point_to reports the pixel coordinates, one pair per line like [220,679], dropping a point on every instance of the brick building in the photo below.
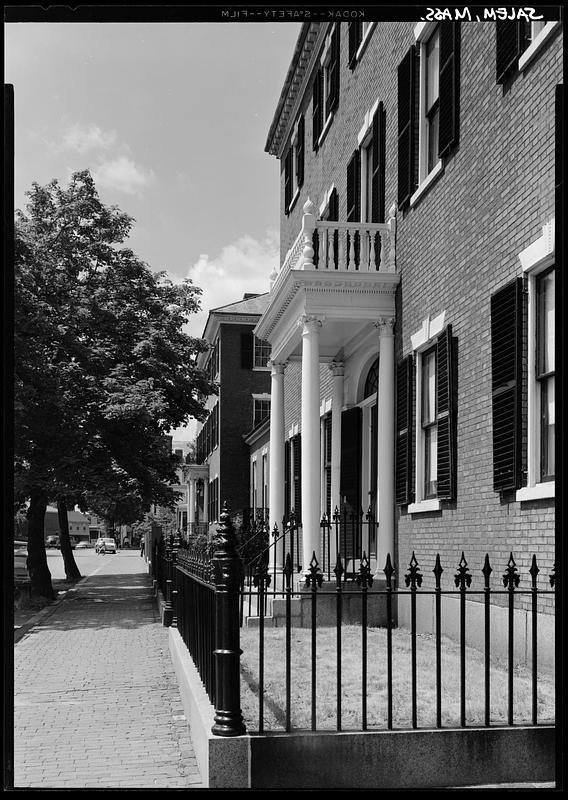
[411,321]
[237,361]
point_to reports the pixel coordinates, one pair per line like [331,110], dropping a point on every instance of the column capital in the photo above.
[385,326]
[337,368]
[277,367]
[311,322]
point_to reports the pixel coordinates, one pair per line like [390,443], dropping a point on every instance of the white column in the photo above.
[276,461]
[385,444]
[337,371]
[191,502]
[311,462]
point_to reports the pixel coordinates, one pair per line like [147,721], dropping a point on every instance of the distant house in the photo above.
[238,362]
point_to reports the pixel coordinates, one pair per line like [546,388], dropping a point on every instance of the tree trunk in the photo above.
[71,569]
[40,575]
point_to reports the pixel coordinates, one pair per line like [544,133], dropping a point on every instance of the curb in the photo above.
[46,611]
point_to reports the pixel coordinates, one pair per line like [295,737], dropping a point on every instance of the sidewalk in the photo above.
[96,701]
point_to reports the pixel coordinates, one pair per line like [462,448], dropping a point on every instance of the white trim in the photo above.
[295,198]
[326,127]
[423,506]
[430,178]
[540,254]
[364,42]
[368,123]
[261,396]
[423,30]
[430,329]
[540,491]
[537,45]
[327,197]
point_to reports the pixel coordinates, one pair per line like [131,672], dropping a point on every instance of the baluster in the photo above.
[342,237]
[364,250]
[351,265]
[381,251]
[322,248]
[372,256]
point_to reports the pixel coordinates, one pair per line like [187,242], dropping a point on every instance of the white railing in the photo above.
[343,246]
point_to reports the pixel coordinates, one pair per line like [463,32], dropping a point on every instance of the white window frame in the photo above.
[535,259]
[423,340]
[365,141]
[537,44]
[257,344]
[324,63]
[263,397]
[253,485]
[422,33]
[367,30]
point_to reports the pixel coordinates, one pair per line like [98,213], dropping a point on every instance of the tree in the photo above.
[103,367]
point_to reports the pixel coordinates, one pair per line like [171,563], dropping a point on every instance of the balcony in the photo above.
[343,272]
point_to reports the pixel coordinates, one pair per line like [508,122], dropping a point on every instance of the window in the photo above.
[262,352]
[538,265]
[517,43]
[264,482]
[428,78]
[213,499]
[370,185]
[359,34]
[213,362]
[436,417]
[261,410]
[325,95]
[254,498]
[545,371]
[326,494]
[294,167]
[247,349]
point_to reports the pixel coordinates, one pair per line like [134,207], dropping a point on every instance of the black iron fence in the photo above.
[220,604]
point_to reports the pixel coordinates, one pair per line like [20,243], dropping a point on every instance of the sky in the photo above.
[172,120]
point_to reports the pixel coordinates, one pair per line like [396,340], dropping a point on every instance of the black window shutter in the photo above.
[449,86]
[287,180]
[333,206]
[317,109]
[350,474]
[406,123]
[297,457]
[287,504]
[354,188]
[333,72]
[378,164]
[355,37]
[247,348]
[446,402]
[507,48]
[403,473]
[506,385]
[300,153]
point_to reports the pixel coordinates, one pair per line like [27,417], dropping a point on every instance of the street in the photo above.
[89,563]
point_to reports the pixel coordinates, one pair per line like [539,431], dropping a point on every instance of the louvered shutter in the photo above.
[247,348]
[378,166]
[506,385]
[288,180]
[287,504]
[403,470]
[355,36]
[406,123]
[333,215]
[333,95]
[350,473]
[327,436]
[354,188]
[449,86]
[300,153]
[446,403]
[317,108]
[507,48]
[297,465]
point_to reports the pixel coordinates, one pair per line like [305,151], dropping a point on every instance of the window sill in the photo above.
[326,127]
[541,491]
[261,369]
[364,42]
[531,52]
[426,183]
[423,506]
[293,201]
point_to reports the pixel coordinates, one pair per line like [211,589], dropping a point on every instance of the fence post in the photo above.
[168,608]
[227,567]
[174,591]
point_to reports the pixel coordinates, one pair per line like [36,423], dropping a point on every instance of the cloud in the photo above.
[83,138]
[242,266]
[122,174]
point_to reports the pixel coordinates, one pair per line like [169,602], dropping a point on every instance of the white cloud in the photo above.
[83,138]
[242,266]
[122,174]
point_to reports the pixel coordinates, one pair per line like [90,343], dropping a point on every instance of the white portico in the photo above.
[321,311]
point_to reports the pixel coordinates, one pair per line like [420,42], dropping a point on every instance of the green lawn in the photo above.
[351,696]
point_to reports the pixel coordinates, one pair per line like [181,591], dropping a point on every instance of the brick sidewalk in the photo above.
[96,701]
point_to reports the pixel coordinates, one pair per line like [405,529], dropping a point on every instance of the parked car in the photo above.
[52,541]
[82,545]
[105,545]
[20,561]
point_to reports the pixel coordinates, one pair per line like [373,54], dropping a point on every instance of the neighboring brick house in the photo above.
[237,361]
[412,318]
